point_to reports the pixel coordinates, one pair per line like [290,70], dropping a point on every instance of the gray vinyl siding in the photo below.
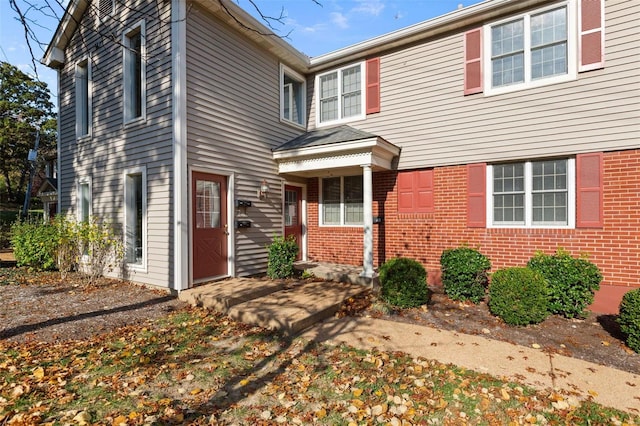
[233,121]
[423,109]
[113,146]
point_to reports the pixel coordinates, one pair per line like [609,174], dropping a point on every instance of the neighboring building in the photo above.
[512,126]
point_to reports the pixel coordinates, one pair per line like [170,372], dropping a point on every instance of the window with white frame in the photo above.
[135,216]
[531,49]
[84,200]
[134,70]
[532,193]
[83,98]
[342,200]
[293,89]
[340,95]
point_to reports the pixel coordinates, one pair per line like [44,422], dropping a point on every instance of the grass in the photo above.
[180,370]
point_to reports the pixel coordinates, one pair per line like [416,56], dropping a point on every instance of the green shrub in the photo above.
[282,254]
[572,282]
[518,296]
[629,318]
[464,273]
[97,244]
[404,283]
[35,244]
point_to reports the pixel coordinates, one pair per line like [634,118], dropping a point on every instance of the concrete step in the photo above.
[286,307]
[222,295]
[297,307]
[337,272]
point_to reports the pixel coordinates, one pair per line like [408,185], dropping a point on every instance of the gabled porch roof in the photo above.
[317,152]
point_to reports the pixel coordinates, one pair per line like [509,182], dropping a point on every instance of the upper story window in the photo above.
[532,193]
[134,70]
[340,95]
[532,49]
[342,201]
[293,99]
[83,98]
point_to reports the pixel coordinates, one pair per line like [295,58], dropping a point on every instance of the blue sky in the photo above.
[313,29]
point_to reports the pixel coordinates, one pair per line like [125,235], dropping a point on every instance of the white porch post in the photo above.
[367,201]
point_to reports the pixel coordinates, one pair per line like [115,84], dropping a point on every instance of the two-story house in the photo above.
[512,126]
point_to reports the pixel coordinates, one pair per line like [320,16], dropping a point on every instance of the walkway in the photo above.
[607,386]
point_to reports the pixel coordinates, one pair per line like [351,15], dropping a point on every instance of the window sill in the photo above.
[83,138]
[533,229]
[340,226]
[136,268]
[340,121]
[530,84]
[293,124]
[135,122]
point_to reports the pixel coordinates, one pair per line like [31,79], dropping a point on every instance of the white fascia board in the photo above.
[359,145]
[54,55]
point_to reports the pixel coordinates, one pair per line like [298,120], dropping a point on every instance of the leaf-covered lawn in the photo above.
[197,367]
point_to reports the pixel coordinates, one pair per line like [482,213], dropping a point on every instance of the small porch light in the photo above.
[264,189]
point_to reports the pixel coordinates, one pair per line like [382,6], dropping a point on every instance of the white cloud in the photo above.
[339,19]
[369,7]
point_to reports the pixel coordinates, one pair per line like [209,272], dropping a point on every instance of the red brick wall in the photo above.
[615,248]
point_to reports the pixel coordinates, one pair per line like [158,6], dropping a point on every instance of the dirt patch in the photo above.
[42,307]
[596,338]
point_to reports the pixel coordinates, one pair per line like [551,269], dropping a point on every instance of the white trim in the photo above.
[305,228]
[126,77]
[367,219]
[363,95]
[572,57]
[180,184]
[85,180]
[59,143]
[84,63]
[142,171]
[231,264]
[375,143]
[571,198]
[300,79]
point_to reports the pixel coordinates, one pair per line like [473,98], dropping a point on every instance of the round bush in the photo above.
[404,283]
[282,255]
[518,296]
[572,282]
[629,318]
[464,273]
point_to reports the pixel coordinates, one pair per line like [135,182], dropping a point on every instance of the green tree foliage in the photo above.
[403,283]
[25,107]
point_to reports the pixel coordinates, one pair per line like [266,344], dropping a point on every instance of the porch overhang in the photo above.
[341,150]
[319,152]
